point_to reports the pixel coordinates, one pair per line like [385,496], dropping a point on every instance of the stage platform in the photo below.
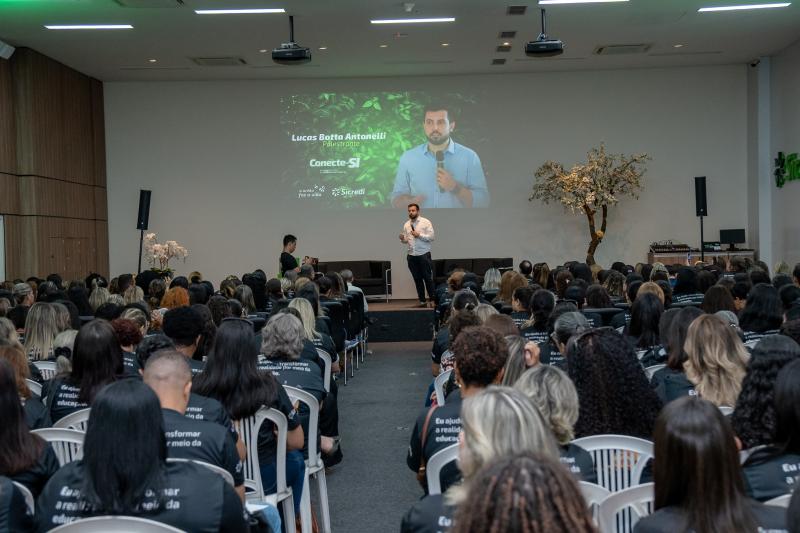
[400,320]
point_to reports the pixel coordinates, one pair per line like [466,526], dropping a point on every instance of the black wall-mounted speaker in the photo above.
[144,210]
[700,201]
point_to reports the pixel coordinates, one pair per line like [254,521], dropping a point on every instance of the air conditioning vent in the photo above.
[507,34]
[516,10]
[504,48]
[219,61]
[150,4]
[621,49]
[685,54]
[500,61]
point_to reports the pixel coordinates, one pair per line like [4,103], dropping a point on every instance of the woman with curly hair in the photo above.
[771,470]
[754,418]
[716,360]
[613,392]
[527,492]
[615,285]
[129,336]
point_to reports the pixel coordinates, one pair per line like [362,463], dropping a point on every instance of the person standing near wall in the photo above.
[418,235]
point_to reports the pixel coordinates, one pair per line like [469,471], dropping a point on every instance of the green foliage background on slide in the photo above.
[399,114]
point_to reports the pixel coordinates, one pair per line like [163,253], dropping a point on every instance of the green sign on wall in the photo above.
[787,168]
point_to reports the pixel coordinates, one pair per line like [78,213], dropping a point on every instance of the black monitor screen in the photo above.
[731,236]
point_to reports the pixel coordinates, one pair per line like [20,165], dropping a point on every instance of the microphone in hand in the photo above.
[440,165]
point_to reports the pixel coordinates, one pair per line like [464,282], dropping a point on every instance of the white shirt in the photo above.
[418,245]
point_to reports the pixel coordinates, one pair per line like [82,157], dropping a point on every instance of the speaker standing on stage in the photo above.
[418,235]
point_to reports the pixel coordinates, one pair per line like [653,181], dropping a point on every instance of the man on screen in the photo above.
[441,172]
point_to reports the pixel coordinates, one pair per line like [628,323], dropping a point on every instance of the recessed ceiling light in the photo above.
[323,47]
[677,46]
[412,21]
[553,2]
[263,50]
[383,46]
[445,44]
[506,43]
[89,27]
[152,60]
[742,7]
[237,11]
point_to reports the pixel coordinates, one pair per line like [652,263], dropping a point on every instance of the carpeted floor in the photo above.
[371,489]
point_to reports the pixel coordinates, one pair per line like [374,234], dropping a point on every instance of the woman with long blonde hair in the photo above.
[41,328]
[717,360]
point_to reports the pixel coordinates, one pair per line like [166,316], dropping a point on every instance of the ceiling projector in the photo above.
[291,53]
[543,46]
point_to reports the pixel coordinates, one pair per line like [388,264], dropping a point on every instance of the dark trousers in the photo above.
[421,268]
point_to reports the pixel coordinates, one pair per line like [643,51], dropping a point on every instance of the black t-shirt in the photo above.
[549,355]
[751,338]
[131,364]
[520,317]
[595,320]
[534,334]
[440,344]
[671,384]
[579,462]
[36,414]
[429,515]
[443,429]
[691,297]
[288,262]
[202,441]
[620,320]
[672,519]
[64,400]
[210,410]
[325,342]
[193,499]
[769,474]
[321,325]
[301,373]
[196,366]
[309,353]
[14,514]
[37,475]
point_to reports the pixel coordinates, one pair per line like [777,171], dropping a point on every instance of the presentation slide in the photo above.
[383,150]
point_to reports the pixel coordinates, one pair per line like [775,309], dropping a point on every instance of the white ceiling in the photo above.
[173,35]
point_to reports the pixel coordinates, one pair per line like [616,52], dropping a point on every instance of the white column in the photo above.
[765,156]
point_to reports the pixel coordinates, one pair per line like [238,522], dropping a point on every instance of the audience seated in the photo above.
[698,482]
[497,422]
[566,325]
[124,472]
[643,330]
[773,470]
[231,376]
[480,355]
[36,414]
[321,341]
[528,491]
[184,326]
[670,383]
[521,305]
[716,360]
[541,305]
[762,314]
[554,395]
[509,282]
[613,392]
[96,362]
[462,300]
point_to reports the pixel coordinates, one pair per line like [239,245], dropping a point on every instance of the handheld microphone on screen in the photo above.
[440,164]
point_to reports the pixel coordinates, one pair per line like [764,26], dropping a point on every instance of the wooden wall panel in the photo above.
[9,194]
[78,142]
[48,197]
[21,254]
[101,253]
[8,152]
[100,203]
[98,133]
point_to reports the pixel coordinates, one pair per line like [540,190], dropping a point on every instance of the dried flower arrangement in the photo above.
[160,254]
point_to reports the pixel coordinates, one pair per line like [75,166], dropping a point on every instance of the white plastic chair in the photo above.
[618,459]
[438,385]
[28,495]
[46,368]
[328,362]
[248,428]
[314,466]
[76,420]
[725,410]
[433,467]
[214,468]
[594,496]
[35,387]
[651,370]
[115,524]
[780,501]
[67,443]
[637,500]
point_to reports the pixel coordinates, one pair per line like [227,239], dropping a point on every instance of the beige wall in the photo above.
[204,148]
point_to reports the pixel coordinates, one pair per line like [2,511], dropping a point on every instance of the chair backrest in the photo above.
[618,459]
[76,420]
[358,308]
[248,428]
[28,495]
[725,410]
[326,359]
[35,387]
[435,464]
[780,501]
[336,313]
[46,368]
[438,385]
[214,468]
[594,496]
[115,524]
[651,370]
[637,501]
[299,395]
[67,443]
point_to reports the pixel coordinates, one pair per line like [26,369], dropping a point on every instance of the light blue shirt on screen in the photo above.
[416,175]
